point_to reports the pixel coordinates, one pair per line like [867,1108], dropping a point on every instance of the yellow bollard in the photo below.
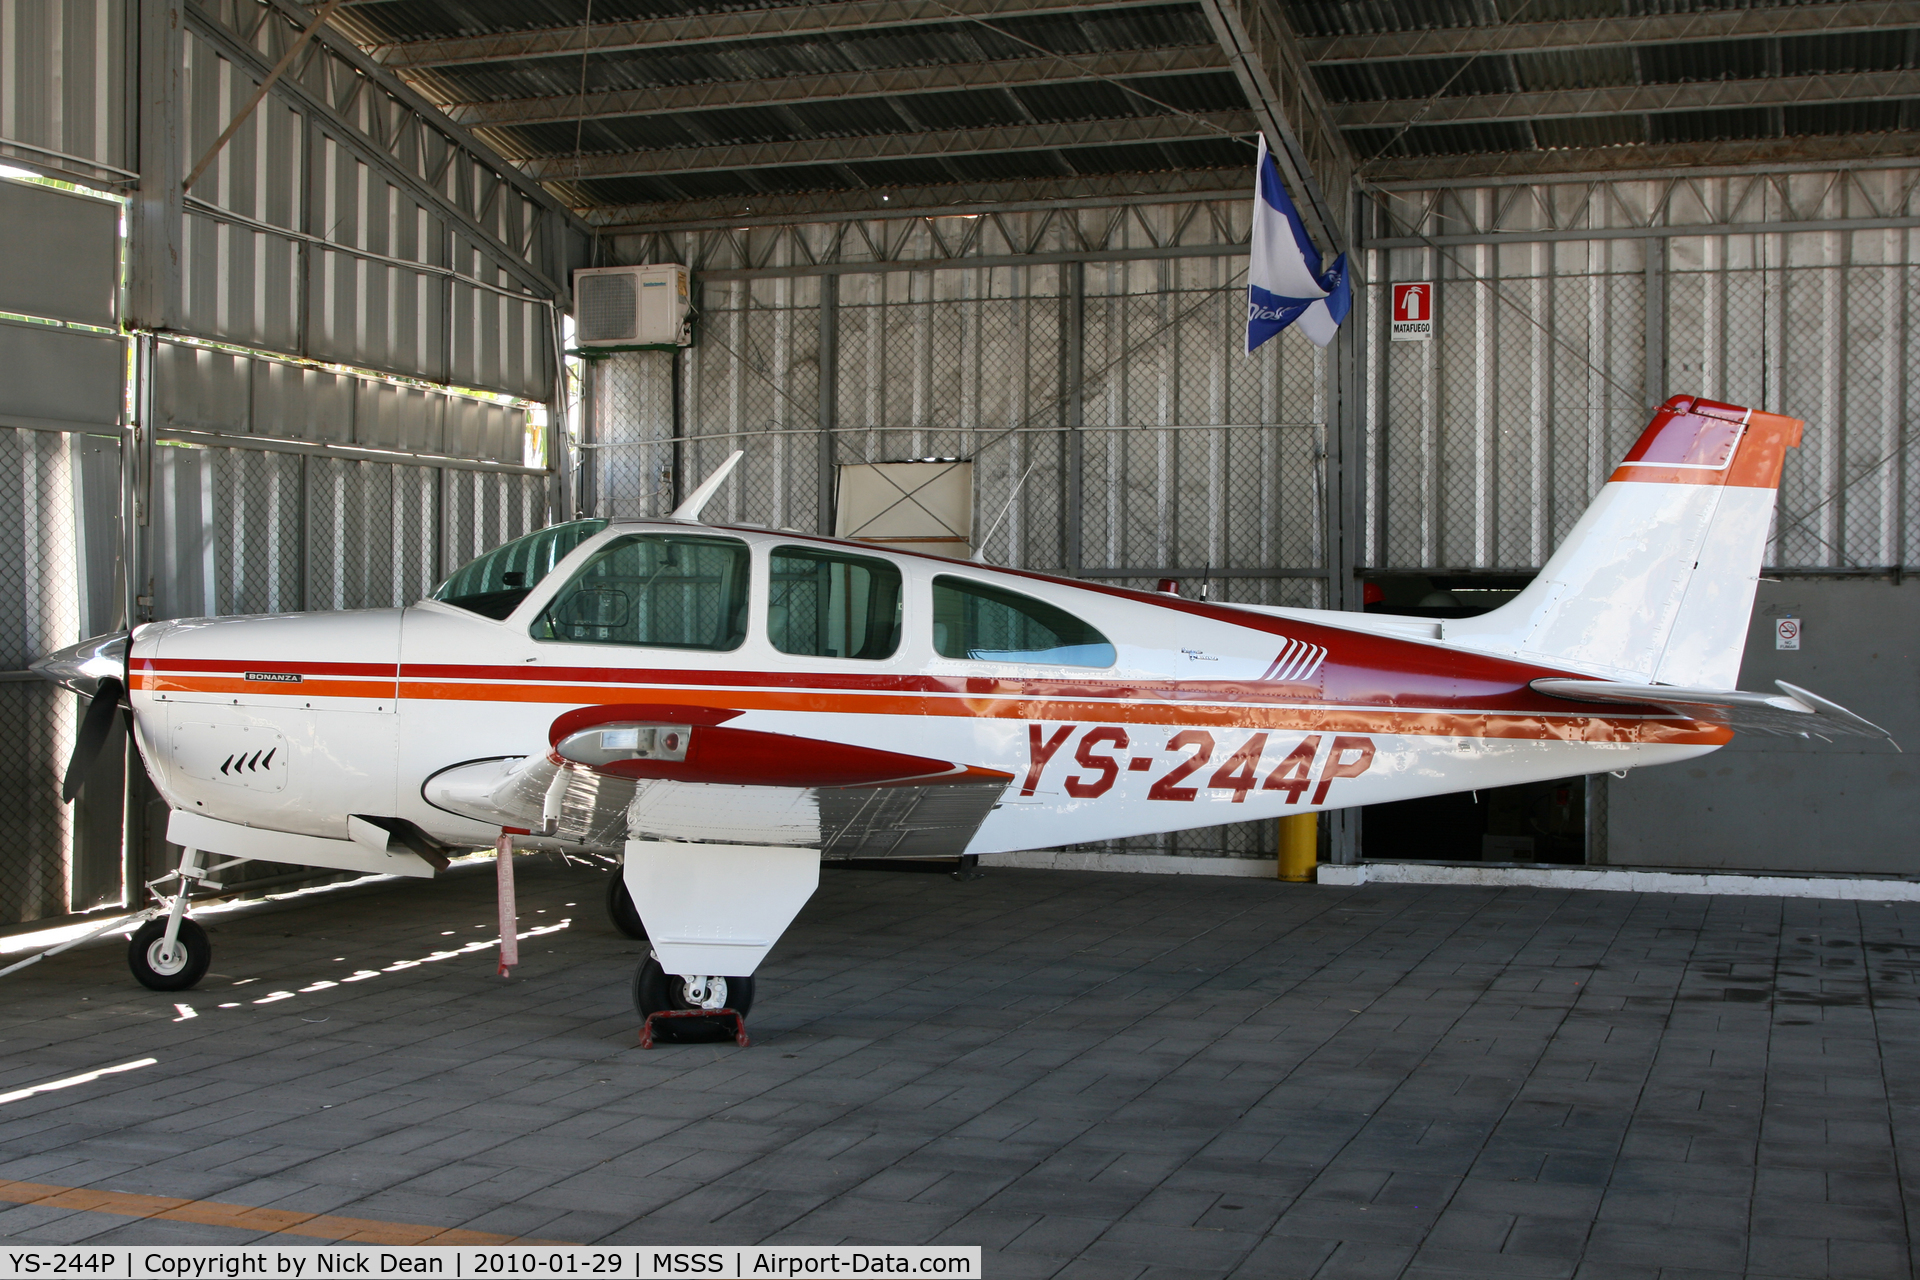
[1299,846]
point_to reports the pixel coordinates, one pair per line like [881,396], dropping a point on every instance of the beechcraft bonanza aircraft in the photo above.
[725,707]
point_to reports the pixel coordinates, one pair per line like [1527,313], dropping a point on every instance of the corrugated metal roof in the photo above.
[440,19]
[1345,17]
[1474,86]
[938,45]
[1831,54]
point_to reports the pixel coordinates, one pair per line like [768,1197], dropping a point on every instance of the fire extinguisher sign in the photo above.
[1413,311]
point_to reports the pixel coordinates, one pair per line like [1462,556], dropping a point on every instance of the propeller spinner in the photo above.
[95,669]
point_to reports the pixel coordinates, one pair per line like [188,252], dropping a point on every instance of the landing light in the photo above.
[606,744]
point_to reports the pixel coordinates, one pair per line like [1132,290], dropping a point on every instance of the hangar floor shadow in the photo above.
[1111,1076]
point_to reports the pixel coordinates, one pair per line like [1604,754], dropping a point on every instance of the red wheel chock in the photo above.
[739,1023]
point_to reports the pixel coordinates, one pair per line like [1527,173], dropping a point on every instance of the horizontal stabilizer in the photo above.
[1793,712]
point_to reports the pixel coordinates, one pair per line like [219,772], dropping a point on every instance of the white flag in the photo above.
[1284,279]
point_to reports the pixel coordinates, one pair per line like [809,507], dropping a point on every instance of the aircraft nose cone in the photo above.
[81,667]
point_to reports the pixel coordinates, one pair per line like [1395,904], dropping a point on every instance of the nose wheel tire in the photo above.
[657,991]
[162,970]
[620,909]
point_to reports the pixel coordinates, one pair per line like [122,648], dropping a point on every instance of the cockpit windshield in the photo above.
[495,584]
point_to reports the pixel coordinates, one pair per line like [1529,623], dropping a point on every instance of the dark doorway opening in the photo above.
[1532,822]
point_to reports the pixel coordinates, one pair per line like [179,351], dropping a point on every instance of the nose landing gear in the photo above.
[697,1009]
[163,967]
[172,953]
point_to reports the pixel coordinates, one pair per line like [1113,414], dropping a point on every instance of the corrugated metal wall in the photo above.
[344,224]
[64,88]
[1563,310]
[208,390]
[296,244]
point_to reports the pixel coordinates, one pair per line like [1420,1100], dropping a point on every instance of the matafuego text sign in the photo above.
[1412,318]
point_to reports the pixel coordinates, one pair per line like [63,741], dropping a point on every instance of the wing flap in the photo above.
[1793,712]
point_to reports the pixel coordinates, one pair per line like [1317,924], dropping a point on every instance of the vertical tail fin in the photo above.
[1655,582]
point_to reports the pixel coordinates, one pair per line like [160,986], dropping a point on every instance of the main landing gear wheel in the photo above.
[161,970]
[620,909]
[657,991]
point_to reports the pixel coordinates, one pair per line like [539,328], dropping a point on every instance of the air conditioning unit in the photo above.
[632,306]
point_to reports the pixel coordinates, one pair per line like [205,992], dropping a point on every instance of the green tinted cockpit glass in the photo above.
[826,604]
[667,590]
[496,583]
[974,620]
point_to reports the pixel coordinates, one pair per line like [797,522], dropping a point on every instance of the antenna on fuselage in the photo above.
[690,509]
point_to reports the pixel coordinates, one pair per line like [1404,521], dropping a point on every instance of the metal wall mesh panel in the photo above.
[632,447]
[349,545]
[754,384]
[241,530]
[1488,442]
[487,508]
[256,526]
[37,827]
[39,611]
[964,364]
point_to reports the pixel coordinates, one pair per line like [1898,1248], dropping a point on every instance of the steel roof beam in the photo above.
[1651,161]
[1706,95]
[1610,33]
[668,161]
[790,90]
[960,199]
[828,17]
[1286,100]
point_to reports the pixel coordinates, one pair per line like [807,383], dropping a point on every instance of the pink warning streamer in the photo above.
[509,915]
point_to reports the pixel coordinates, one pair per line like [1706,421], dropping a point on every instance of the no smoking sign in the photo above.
[1786,633]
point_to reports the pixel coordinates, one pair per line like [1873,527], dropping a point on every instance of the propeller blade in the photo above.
[92,737]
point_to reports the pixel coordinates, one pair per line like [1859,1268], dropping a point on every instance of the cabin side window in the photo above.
[973,620]
[494,585]
[825,604]
[667,591]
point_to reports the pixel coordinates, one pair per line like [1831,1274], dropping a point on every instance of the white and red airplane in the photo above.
[725,707]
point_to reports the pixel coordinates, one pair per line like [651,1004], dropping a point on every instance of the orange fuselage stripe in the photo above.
[312,687]
[1572,727]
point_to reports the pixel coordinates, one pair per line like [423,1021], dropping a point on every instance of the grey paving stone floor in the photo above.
[1091,1076]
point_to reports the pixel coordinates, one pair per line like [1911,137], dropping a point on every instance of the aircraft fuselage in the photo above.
[1207,713]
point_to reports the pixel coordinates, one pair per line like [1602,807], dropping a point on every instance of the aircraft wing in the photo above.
[681,774]
[1793,712]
